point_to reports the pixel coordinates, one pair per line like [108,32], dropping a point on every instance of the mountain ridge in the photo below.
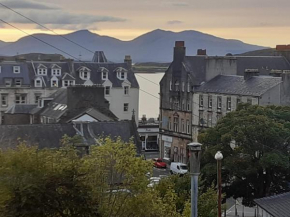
[156,46]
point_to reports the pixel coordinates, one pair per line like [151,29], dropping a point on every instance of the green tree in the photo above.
[258,165]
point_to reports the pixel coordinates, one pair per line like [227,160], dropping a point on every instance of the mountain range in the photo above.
[155,46]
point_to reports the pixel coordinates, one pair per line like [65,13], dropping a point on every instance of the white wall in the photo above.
[117,100]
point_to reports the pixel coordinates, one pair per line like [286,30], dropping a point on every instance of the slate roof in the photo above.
[196,65]
[7,72]
[99,57]
[21,109]
[277,206]
[236,85]
[96,75]
[264,64]
[96,114]
[49,135]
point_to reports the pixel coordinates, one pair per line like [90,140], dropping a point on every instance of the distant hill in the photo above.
[2,43]
[155,46]
[263,52]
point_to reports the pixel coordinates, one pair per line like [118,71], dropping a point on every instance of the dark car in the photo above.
[158,163]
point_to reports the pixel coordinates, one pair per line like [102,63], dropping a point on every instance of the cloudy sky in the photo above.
[261,22]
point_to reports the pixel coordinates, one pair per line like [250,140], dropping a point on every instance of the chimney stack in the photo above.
[128,60]
[249,73]
[179,51]
[201,52]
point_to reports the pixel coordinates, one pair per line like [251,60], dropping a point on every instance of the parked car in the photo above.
[178,168]
[159,163]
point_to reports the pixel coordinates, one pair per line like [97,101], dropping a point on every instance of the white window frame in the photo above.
[37,97]
[229,103]
[52,82]
[126,107]
[18,82]
[68,83]
[188,87]
[170,85]
[4,98]
[16,69]
[219,102]
[169,123]
[104,75]
[42,71]
[126,90]
[9,82]
[109,89]
[176,85]
[183,86]
[187,127]
[176,124]
[20,98]
[40,82]
[200,100]
[56,72]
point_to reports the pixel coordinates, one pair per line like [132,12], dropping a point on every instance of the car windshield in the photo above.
[183,167]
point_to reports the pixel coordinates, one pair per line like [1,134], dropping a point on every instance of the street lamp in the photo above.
[195,153]
[219,156]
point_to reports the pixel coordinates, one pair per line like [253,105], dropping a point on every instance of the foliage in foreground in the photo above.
[60,183]
[259,164]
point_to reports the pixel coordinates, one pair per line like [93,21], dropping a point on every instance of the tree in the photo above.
[258,165]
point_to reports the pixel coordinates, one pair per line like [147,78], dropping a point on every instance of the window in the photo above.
[249,100]
[67,83]
[169,123]
[54,83]
[187,127]
[175,124]
[4,100]
[126,107]
[188,105]
[219,102]
[188,87]
[56,72]
[176,85]
[200,100]
[37,82]
[209,119]
[170,85]
[107,90]
[16,69]
[37,98]
[176,104]
[8,82]
[20,99]
[18,82]
[42,71]
[183,104]
[209,101]
[238,100]
[85,75]
[182,126]
[229,103]
[126,90]
[170,103]
[183,86]
[104,75]
[122,75]
[201,119]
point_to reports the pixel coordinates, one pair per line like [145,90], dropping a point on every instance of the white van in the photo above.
[178,168]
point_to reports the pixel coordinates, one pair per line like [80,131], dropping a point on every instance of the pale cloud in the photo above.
[26,4]
[174,22]
[180,4]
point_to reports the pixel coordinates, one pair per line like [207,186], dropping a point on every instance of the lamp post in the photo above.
[195,152]
[219,156]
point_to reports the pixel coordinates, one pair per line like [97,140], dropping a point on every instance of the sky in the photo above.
[260,22]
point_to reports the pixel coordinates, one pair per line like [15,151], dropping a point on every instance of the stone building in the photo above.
[222,94]
[25,82]
[184,75]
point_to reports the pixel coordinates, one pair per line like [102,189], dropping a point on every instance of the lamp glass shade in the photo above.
[218,156]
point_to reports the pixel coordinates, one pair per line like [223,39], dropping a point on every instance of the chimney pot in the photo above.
[250,73]
[179,44]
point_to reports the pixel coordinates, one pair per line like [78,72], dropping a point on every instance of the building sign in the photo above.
[166,138]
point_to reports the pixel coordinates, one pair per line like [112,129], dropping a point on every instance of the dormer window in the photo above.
[56,72]
[68,83]
[42,71]
[84,73]
[38,82]
[18,82]
[121,73]
[16,69]
[104,75]
[8,82]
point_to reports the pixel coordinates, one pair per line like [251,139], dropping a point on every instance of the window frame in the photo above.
[187,127]
[209,101]
[16,69]
[37,97]
[9,82]
[22,98]
[4,98]
[176,124]
[219,102]
[40,82]
[126,107]
[126,90]
[19,81]
[169,124]
[229,103]
[201,100]
[107,90]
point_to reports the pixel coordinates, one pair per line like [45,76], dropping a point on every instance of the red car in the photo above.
[158,163]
